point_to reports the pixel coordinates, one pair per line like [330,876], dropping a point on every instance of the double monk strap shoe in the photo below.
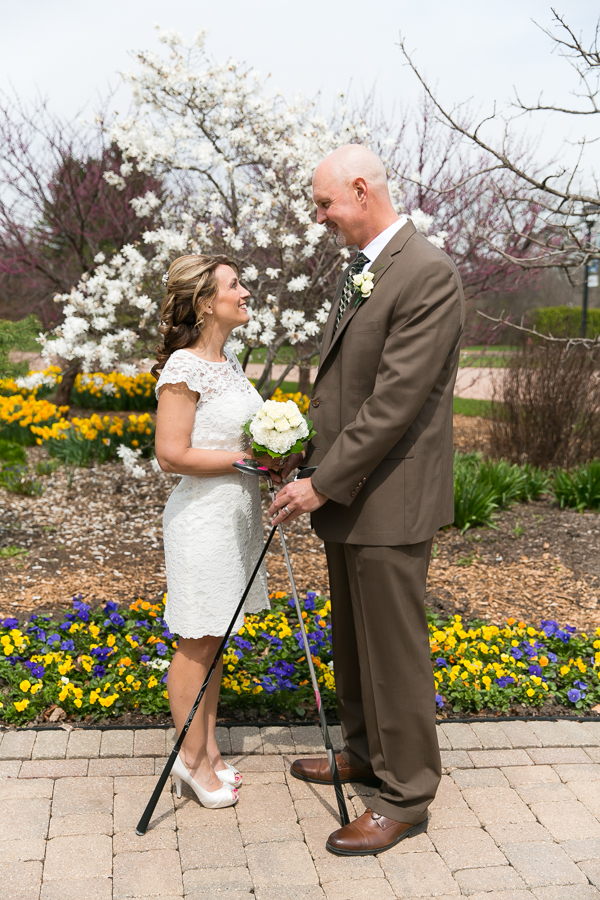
[317,771]
[371,833]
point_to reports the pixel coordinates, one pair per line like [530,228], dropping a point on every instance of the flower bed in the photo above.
[98,390]
[105,662]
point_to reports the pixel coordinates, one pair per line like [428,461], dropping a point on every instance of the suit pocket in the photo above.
[361,327]
[402,450]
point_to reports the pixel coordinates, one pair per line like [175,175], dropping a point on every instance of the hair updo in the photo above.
[191,287]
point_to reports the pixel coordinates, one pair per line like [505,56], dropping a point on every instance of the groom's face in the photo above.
[338,205]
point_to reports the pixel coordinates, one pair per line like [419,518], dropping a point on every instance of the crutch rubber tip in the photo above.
[140,833]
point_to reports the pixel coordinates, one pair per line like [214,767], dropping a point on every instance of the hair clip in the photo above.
[165,278]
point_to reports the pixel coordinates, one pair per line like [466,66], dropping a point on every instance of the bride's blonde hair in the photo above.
[191,288]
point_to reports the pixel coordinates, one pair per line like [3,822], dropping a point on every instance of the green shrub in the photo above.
[506,481]
[535,482]
[11,452]
[579,488]
[565,321]
[474,502]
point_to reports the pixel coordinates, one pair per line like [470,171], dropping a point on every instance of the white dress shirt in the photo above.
[373,249]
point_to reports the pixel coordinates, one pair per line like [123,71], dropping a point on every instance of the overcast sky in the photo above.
[72,51]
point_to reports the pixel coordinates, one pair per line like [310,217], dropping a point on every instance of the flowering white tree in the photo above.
[236,165]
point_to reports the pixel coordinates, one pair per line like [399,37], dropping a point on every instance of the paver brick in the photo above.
[96,823]
[456,759]
[520,735]
[581,850]
[316,831]
[259,763]
[567,819]
[308,739]
[84,743]
[281,864]
[22,882]
[584,772]
[365,889]
[289,892]
[215,881]
[452,818]
[155,873]
[468,778]
[530,775]
[259,831]
[448,795]
[593,753]
[246,739]
[129,807]
[24,819]
[593,728]
[277,739]
[555,756]
[552,734]
[81,856]
[497,759]
[54,768]
[490,878]
[112,767]
[77,889]
[335,734]
[10,768]
[17,744]
[78,796]
[222,738]
[461,737]
[149,742]
[15,789]
[22,851]
[544,792]
[589,794]
[214,847]
[518,834]
[460,847]
[443,742]
[492,736]
[191,814]
[333,868]
[154,839]
[581,734]
[542,864]
[497,804]
[50,745]
[117,743]
[419,875]
[591,868]
[568,892]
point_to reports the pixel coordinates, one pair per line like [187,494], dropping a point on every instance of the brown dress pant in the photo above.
[384,679]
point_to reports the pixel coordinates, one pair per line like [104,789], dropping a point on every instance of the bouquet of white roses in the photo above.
[279,429]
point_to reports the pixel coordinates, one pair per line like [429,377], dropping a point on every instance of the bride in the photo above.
[212,521]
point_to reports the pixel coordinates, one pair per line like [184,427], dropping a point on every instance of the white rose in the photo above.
[282,424]
[267,423]
[357,279]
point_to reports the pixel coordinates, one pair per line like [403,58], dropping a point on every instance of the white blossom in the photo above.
[130,461]
[250,273]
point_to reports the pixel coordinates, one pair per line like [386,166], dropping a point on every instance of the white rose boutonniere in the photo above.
[363,285]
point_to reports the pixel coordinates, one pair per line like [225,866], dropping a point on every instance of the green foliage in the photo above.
[579,488]
[47,466]
[12,551]
[464,406]
[565,321]
[481,487]
[11,452]
[17,336]
[18,480]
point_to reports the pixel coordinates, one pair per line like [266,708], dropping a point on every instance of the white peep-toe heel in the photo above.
[225,796]
[230,776]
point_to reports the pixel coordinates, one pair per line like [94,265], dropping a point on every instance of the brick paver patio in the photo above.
[517,817]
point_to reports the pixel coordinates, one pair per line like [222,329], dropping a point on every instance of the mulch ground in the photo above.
[98,532]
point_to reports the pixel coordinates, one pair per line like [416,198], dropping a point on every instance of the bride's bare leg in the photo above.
[210,718]
[187,672]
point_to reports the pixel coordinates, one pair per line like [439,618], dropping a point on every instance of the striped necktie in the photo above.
[356,266]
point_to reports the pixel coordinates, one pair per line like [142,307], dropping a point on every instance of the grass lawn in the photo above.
[17,336]
[463,406]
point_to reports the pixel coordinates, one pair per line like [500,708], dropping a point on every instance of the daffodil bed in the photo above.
[109,661]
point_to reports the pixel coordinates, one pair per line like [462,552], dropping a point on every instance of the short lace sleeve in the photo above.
[184,368]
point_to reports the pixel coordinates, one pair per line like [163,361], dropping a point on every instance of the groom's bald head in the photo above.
[353,161]
[351,195]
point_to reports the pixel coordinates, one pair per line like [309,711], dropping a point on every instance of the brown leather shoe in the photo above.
[371,833]
[317,771]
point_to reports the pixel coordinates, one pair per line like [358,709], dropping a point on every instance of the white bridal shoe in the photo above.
[225,796]
[230,775]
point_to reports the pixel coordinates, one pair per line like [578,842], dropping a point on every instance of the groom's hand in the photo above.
[294,499]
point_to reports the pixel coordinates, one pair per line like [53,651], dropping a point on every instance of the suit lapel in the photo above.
[381,264]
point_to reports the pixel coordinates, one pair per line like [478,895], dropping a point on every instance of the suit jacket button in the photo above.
[315,402]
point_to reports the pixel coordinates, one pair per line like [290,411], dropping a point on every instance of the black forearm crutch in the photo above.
[252,468]
[147,814]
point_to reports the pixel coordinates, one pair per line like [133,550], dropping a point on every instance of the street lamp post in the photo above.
[590,212]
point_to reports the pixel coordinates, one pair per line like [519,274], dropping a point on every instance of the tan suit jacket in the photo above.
[382,401]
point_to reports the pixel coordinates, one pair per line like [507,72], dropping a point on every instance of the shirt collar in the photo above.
[374,248]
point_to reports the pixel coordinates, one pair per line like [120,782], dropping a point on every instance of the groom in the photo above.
[382,410]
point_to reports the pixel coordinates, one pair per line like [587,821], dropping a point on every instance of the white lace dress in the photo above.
[212,526]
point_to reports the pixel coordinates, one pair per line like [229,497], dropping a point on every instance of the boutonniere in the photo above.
[363,285]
